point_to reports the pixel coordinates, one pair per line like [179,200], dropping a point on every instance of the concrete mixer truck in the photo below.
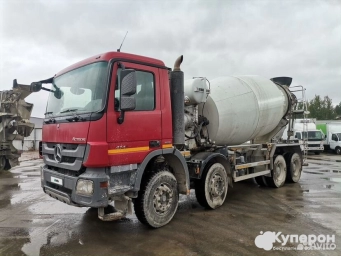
[126,130]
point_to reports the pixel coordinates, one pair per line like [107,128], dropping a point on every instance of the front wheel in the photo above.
[338,150]
[157,200]
[211,189]
[278,174]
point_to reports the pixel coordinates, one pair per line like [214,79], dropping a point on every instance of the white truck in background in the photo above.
[307,134]
[332,131]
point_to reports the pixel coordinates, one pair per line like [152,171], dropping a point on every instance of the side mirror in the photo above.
[58,93]
[128,84]
[35,87]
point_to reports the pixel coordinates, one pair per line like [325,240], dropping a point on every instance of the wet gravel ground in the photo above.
[32,223]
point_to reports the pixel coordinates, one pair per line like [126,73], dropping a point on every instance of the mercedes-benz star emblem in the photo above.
[58,153]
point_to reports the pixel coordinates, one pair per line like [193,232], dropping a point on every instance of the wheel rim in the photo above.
[163,198]
[217,185]
[279,173]
[216,188]
[295,169]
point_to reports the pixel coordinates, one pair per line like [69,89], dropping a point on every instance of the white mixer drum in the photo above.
[243,108]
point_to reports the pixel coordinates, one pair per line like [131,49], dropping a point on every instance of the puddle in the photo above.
[327,186]
[338,180]
[313,172]
[321,164]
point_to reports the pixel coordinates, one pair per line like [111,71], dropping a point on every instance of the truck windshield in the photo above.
[83,90]
[313,135]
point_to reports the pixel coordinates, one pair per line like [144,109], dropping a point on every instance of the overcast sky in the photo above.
[300,39]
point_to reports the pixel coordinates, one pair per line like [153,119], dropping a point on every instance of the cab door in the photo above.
[140,132]
[334,141]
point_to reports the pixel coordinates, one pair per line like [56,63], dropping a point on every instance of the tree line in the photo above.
[323,109]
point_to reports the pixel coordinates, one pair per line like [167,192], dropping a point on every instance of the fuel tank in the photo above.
[242,108]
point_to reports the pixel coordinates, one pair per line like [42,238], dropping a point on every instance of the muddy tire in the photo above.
[278,174]
[157,200]
[261,181]
[294,170]
[2,163]
[211,189]
[338,150]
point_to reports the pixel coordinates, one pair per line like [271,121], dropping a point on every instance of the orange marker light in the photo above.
[104,184]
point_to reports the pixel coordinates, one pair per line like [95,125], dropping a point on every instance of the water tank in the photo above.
[243,108]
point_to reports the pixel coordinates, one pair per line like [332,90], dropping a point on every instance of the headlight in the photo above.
[85,187]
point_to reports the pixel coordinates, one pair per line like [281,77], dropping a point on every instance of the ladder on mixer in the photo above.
[302,108]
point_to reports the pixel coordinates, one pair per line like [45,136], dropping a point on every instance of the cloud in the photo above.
[217,38]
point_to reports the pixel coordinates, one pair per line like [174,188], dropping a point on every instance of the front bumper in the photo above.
[315,148]
[65,191]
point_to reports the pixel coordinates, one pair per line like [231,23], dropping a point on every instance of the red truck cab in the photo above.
[94,152]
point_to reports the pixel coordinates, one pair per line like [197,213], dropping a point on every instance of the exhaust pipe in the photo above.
[178,63]
[177,100]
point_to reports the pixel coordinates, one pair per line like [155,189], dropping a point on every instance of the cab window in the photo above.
[145,91]
[334,137]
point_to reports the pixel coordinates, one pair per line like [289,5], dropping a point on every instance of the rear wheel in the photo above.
[294,168]
[278,174]
[211,189]
[157,200]
[2,163]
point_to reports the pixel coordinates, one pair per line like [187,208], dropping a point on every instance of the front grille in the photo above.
[66,172]
[70,146]
[68,159]
[70,156]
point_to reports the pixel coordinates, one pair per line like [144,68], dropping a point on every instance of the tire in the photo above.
[157,200]
[261,181]
[294,169]
[338,150]
[278,174]
[211,189]
[2,163]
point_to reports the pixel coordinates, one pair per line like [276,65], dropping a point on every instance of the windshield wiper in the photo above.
[69,110]
[51,120]
[76,118]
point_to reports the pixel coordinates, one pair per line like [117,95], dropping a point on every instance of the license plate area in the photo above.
[56,180]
